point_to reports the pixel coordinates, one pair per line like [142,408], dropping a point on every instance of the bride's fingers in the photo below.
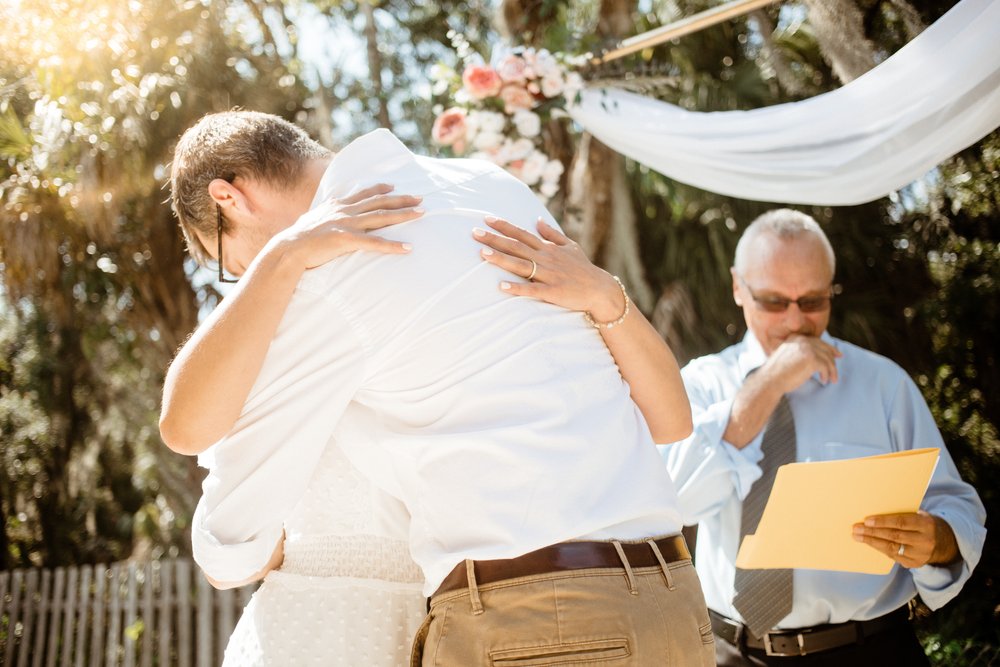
[371,191]
[376,244]
[521,268]
[380,203]
[532,290]
[502,243]
[514,232]
[551,234]
[366,222]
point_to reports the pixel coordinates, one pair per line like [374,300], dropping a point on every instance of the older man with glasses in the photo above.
[791,392]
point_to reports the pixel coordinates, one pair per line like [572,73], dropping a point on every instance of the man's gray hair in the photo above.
[783,223]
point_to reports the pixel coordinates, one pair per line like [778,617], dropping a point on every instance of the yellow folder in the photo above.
[813,506]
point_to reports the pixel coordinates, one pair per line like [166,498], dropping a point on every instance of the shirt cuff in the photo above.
[230,562]
[745,462]
[938,584]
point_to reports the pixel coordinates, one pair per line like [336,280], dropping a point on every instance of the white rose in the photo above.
[473,121]
[533,166]
[549,190]
[552,84]
[528,123]
[520,149]
[552,171]
[491,121]
[545,64]
[487,141]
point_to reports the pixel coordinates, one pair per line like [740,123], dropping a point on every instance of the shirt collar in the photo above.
[751,355]
[362,163]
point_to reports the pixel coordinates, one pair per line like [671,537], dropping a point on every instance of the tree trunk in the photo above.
[68,422]
[786,78]
[6,510]
[600,212]
[840,32]
[375,63]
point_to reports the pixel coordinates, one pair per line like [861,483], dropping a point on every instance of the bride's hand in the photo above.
[555,267]
[339,226]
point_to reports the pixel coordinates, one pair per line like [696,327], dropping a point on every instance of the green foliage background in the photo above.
[95,292]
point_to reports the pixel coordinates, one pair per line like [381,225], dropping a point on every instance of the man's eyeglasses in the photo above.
[779,304]
[218,235]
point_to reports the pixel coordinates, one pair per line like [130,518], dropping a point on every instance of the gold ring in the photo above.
[534,269]
[902,548]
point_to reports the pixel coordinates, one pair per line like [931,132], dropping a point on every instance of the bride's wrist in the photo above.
[611,302]
[285,255]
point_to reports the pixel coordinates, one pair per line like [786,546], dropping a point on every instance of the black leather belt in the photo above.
[801,641]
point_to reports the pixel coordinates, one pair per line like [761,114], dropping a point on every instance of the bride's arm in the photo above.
[212,374]
[565,277]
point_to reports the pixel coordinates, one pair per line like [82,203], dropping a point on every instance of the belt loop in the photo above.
[628,568]
[663,564]
[470,571]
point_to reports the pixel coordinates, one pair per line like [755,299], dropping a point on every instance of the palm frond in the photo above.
[15,142]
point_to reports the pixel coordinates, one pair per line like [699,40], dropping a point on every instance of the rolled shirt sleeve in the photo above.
[706,469]
[259,471]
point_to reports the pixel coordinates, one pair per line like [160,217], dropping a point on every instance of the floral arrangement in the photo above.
[497,113]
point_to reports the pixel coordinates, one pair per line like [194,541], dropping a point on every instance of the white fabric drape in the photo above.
[937,95]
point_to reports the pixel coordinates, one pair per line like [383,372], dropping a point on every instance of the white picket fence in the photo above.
[162,613]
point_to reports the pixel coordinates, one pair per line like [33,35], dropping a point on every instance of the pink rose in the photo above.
[481,81]
[450,129]
[515,98]
[512,69]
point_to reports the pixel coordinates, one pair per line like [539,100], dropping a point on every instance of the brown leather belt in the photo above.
[802,641]
[567,556]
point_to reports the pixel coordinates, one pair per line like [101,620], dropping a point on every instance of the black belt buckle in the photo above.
[799,640]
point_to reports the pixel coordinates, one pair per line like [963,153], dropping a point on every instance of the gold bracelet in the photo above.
[610,325]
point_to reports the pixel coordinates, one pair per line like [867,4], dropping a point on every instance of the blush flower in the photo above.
[450,129]
[516,98]
[512,69]
[481,81]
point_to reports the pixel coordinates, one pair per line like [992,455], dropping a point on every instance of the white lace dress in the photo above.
[348,593]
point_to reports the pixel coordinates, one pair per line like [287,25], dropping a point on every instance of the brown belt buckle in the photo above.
[799,639]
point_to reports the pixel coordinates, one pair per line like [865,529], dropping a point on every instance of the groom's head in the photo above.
[237,164]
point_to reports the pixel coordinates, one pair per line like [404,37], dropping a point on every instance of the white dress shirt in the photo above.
[502,423]
[873,408]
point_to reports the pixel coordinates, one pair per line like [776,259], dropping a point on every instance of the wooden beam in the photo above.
[682,27]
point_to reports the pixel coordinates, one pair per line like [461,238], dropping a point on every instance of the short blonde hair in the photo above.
[228,145]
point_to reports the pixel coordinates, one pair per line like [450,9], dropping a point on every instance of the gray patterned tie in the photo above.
[764,597]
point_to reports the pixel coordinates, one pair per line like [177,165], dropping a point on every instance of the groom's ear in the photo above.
[228,195]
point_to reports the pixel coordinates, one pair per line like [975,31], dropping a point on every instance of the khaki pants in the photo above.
[619,617]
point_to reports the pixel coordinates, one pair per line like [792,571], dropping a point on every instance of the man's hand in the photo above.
[922,537]
[797,359]
[277,558]
[339,226]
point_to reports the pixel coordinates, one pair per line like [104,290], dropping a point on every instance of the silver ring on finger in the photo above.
[534,270]
[902,548]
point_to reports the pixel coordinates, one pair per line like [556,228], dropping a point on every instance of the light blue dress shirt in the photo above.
[873,408]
